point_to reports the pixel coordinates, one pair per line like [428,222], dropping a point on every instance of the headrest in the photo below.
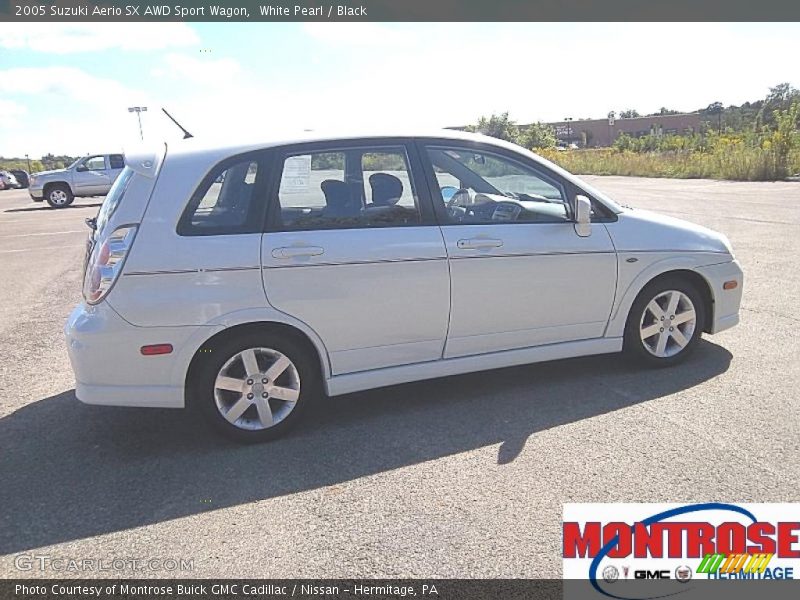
[386,189]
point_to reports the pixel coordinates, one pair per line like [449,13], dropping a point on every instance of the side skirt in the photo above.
[365,380]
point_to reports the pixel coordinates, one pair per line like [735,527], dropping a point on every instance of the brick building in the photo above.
[598,132]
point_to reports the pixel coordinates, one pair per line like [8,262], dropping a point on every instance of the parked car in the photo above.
[22,177]
[8,181]
[88,176]
[245,280]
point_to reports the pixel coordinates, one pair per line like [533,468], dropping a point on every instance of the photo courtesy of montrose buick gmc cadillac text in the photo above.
[244,280]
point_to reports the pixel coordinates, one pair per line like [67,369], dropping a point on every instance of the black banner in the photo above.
[401,10]
[389,589]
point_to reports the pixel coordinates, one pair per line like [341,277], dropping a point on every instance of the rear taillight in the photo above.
[105,263]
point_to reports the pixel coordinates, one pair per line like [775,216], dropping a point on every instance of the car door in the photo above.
[91,176]
[353,250]
[520,274]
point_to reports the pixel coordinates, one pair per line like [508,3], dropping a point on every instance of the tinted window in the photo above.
[349,188]
[95,163]
[480,187]
[225,204]
[117,161]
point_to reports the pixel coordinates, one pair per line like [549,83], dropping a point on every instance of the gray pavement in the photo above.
[458,477]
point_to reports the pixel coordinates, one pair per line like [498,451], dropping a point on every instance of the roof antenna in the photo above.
[186,134]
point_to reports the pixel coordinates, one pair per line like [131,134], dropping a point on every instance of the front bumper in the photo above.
[726,302]
[104,351]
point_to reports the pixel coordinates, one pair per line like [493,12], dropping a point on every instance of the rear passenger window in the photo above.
[226,204]
[346,189]
[117,161]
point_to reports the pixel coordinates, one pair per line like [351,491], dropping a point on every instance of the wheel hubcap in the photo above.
[668,323]
[58,197]
[257,388]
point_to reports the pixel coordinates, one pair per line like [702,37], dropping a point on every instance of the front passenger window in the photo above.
[95,163]
[481,187]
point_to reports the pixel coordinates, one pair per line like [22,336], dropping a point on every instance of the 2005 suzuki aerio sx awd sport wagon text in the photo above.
[246,280]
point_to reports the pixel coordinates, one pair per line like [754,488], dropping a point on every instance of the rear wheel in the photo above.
[255,387]
[59,195]
[665,322]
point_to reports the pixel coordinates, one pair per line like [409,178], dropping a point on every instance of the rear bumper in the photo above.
[726,302]
[104,351]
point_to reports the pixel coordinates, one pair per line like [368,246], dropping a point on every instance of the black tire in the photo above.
[637,349]
[59,195]
[203,392]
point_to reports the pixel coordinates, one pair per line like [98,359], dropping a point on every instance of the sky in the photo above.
[67,87]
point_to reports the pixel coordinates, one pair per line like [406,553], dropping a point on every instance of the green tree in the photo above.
[630,113]
[499,126]
[537,135]
[780,98]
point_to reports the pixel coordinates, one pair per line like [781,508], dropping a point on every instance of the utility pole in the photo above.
[611,116]
[138,110]
[29,163]
[569,129]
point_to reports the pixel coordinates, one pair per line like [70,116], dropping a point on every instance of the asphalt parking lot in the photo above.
[458,477]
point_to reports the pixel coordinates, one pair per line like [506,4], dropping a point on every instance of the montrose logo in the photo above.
[719,541]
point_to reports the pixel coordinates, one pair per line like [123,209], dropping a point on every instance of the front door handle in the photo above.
[297,251]
[479,243]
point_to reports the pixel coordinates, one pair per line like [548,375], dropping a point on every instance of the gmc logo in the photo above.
[644,574]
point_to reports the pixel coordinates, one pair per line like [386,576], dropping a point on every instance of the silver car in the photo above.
[88,176]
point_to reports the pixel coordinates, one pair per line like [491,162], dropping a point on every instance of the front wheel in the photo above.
[59,196]
[665,322]
[254,388]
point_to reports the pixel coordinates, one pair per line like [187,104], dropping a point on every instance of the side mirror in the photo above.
[81,168]
[583,216]
[448,191]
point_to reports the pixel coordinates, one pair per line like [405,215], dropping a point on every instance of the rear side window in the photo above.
[113,198]
[117,161]
[226,203]
[351,188]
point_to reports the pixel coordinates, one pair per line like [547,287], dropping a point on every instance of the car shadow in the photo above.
[71,471]
[46,207]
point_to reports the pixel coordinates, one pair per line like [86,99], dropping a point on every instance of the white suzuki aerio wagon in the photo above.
[247,279]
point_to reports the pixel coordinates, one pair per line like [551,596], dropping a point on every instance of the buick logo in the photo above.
[610,574]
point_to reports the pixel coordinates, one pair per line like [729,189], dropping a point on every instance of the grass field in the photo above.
[735,163]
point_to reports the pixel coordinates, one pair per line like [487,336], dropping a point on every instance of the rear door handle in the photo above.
[297,251]
[478,243]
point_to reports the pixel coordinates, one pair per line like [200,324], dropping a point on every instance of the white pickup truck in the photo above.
[88,176]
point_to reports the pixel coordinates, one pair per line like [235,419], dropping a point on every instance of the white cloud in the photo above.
[11,110]
[74,84]
[198,70]
[357,34]
[67,38]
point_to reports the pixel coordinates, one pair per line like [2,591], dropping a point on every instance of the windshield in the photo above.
[113,198]
[75,163]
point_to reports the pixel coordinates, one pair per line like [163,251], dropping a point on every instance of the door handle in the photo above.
[297,251]
[478,243]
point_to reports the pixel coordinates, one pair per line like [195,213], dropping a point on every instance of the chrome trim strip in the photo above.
[355,262]
[523,254]
[183,271]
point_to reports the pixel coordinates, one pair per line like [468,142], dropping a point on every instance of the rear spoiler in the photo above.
[146,161]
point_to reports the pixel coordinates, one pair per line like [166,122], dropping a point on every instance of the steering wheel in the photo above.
[456,196]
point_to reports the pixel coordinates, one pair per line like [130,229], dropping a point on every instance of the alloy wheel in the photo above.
[58,197]
[668,323]
[257,388]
